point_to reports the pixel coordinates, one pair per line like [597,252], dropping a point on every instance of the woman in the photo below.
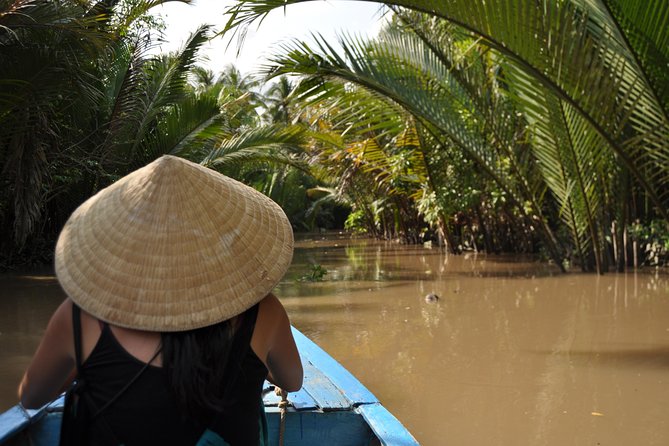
[169,319]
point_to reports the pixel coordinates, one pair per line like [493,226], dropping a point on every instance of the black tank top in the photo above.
[147,412]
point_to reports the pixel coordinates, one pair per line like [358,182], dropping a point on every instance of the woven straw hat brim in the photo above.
[173,246]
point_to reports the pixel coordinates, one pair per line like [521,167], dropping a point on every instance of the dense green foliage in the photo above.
[83,102]
[542,125]
[496,125]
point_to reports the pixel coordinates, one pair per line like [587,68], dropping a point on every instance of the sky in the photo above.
[296,21]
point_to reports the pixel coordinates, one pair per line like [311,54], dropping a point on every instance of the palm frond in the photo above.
[269,144]
[190,129]
[641,31]
[556,44]
[42,80]
[167,82]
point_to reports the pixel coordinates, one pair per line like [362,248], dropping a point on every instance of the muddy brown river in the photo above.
[513,352]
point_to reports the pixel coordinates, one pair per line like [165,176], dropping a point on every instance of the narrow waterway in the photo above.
[513,352]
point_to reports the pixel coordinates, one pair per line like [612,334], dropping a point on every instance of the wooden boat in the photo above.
[332,408]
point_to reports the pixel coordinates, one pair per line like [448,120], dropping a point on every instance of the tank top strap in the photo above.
[76,328]
[245,331]
[241,343]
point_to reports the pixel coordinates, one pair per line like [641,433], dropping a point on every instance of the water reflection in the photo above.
[26,303]
[513,352]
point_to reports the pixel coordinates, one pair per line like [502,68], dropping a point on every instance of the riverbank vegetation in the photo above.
[503,126]
[83,102]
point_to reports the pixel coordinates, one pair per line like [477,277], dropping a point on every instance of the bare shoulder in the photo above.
[272,326]
[271,314]
[271,304]
[60,325]
[64,311]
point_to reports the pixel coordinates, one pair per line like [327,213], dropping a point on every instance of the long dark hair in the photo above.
[196,362]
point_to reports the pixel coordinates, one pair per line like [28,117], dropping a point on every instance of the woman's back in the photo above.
[147,411]
[144,413]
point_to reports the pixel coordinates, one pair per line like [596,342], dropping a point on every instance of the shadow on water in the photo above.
[342,270]
[643,358]
[329,307]
[310,290]
[528,273]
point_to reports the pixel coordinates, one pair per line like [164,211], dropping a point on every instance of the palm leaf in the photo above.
[166,84]
[270,144]
[190,129]
[407,73]
[555,44]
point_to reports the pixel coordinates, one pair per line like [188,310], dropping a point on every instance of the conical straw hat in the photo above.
[173,246]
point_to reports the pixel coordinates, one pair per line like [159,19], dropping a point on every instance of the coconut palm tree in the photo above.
[278,101]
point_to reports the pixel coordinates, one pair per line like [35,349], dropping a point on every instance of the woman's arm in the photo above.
[282,359]
[53,363]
